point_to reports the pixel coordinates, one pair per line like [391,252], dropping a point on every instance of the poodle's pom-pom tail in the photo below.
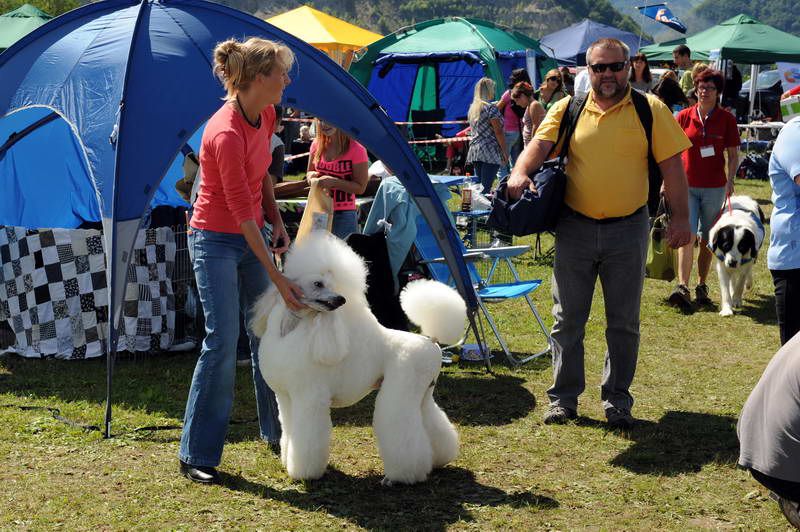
[436,308]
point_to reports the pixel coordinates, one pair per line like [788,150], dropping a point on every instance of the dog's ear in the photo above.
[288,323]
[261,311]
[761,215]
[329,337]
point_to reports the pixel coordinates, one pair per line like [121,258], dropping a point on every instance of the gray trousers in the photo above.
[616,252]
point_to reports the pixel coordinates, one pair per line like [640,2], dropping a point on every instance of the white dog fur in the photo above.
[335,352]
[735,240]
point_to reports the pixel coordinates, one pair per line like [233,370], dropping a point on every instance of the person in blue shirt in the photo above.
[783,257]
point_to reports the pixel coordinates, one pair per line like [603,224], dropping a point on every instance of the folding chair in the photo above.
[485,289]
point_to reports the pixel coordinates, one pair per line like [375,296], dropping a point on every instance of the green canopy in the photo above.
[16,24]
[741,38]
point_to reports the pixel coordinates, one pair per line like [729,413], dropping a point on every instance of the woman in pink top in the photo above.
[512,115]
[339,165]
[228,245]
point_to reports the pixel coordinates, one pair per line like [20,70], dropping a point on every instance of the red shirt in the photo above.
[720,131]
[341,167]
[234,158]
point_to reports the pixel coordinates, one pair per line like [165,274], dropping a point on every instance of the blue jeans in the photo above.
[229,280]
[705,205]
[344,223]
[512,149]
[485,172]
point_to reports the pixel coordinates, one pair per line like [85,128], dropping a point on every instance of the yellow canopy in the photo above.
[334,36]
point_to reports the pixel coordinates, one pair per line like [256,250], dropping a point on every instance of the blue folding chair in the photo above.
[486,291]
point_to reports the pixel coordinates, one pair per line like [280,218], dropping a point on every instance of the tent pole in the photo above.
[641,28]
[753,89]
[111,353]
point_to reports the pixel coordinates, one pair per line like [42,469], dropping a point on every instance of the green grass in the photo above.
[675,471]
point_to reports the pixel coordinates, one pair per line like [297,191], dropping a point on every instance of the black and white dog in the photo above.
[735,240]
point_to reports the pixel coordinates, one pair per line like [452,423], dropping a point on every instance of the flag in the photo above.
[661,13]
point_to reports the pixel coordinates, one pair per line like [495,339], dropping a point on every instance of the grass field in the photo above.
[675,470]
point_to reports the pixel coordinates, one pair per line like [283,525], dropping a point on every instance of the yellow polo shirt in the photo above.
[607,167]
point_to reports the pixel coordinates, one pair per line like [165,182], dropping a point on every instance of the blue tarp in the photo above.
[133,81]
[570,44]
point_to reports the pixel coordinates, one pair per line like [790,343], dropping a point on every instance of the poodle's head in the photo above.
[327,270]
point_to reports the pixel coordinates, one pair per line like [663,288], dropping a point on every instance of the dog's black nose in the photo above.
[732,263]
[335,302]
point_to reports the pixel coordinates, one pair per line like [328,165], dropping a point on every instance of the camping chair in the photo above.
[426,152]
[486,291]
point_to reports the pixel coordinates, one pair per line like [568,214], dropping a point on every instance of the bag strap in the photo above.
[568,124]
[645,114]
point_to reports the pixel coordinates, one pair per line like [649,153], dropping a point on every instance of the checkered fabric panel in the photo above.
[54,293]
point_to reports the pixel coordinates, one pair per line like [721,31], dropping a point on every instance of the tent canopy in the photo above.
[334,36]
[570,44]
[741,38]
[435,65]
[19,22]
[134,80]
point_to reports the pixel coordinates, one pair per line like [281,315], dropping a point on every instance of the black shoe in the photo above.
[619,418]
[275,447]
[701,295]
[790,511]
[681,298]
[558,415]
[200,474]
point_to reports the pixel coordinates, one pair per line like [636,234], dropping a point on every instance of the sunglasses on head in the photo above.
[599,68]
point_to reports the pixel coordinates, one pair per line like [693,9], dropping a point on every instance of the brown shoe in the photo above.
[681,298]
[558,415]
[701,295]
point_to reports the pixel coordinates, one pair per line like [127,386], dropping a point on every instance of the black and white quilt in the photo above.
[53,292]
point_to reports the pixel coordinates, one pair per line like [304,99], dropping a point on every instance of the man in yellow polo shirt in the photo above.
[603,228]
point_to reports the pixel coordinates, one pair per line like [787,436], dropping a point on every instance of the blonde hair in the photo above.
[697,68]
[323,141]
[484,91]
[237,63]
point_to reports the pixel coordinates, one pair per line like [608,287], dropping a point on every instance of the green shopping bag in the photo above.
[662,260]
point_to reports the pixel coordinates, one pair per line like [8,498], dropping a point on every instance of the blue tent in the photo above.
[569,44]
[133,81]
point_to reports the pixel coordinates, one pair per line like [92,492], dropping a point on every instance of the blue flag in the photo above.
[661,13]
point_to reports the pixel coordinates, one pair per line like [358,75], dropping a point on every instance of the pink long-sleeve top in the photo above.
[234,158]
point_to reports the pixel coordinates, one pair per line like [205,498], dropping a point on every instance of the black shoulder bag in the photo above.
[536,212]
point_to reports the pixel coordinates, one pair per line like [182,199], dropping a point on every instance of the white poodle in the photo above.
[335,352]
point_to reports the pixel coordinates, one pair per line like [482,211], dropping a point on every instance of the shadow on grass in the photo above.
[680,442]
[157,385]
[445,498]
[479,399]
[760,309]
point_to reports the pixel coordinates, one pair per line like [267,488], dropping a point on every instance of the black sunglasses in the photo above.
[599,68]
[553,78]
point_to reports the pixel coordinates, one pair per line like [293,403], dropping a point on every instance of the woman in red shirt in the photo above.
[339,165]
[228,245]
[713,132]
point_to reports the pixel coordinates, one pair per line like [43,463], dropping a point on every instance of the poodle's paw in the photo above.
[386,483]
[736,303]
[726,311]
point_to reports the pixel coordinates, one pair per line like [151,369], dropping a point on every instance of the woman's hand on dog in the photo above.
[290,292]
